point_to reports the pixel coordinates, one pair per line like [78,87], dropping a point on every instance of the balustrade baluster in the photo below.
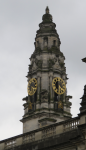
[75,124]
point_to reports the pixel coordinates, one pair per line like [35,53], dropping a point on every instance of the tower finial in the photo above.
[47,10]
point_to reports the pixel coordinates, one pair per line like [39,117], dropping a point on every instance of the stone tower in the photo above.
[45,106]
[47,121]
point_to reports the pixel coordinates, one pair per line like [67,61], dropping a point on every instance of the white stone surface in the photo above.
[82,119]
[30,125]
[38,106]
[44,105]
[45,81]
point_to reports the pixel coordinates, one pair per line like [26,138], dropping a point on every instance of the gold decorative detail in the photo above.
[30,105]
[61,89]
[32,86]
[60,105]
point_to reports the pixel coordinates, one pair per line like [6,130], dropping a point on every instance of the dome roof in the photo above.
[47,17]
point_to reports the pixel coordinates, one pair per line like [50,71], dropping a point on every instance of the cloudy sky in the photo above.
[19,21]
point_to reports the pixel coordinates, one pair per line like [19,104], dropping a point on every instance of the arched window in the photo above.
[45,41]
[54,42]
[37,43]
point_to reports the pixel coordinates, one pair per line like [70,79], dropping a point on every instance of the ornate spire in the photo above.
[47,10]
[47,66]
[47,18]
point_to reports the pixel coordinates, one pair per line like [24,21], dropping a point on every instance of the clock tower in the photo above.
[47,101]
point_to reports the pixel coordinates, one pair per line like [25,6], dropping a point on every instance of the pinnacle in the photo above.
[83,103]
[47,10]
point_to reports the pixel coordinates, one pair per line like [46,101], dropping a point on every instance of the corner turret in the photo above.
[83,102]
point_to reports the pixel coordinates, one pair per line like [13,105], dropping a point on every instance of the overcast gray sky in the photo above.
[19,21]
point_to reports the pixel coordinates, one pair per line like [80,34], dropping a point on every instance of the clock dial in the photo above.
[32,86]
[61,88]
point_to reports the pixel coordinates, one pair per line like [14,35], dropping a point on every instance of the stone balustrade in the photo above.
[72,124]
[10,144]
[40,134]
[48,132]
[29,138]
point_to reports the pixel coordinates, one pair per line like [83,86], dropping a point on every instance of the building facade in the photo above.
[47,120]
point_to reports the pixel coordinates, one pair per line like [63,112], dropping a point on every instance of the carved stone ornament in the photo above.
[44,95]
[38,63]
[56,65]
[34,66]
[55,59]
[85,90]
[51,63]
[29,106]
[60,105]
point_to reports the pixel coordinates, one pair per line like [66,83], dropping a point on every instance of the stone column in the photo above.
[52,91]
[65,94]
[27,90]
[38,87]
[38,93]
[28,98]
[85,139]
[51,95]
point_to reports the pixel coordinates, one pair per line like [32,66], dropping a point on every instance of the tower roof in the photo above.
[47,10]
[47,96]
[47,18]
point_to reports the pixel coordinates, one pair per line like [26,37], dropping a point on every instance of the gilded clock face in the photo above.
[32,86]
[61,85]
